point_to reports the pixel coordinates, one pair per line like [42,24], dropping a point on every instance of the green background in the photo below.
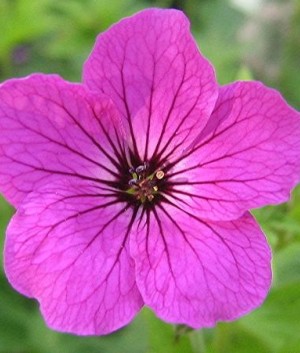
[244,39]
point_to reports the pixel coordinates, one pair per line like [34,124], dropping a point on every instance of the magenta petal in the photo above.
[50,128]
[150,66]
[248,155]
[67,246]
[195,272]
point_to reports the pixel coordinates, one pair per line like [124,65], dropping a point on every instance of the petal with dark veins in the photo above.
[67,246]
[195,272]
[50,128]
[165,90]
[247,156]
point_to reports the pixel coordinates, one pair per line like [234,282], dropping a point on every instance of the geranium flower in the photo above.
[132,188]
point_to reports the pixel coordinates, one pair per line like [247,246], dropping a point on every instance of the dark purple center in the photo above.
[141,183]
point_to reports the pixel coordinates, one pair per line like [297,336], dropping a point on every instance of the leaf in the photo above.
[6,212]
[293,346]
[287,265]
[277,321]
[244,74]
[234,338]
[162,337]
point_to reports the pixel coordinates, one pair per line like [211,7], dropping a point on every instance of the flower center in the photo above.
[144,185]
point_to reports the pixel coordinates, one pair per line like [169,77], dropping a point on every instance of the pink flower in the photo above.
[132,188]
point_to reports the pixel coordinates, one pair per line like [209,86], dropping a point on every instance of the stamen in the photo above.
[150,197]
[141,168]
[144,184]
[159,174]
[132,182]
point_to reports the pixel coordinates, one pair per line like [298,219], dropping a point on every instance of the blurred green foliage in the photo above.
[244,40]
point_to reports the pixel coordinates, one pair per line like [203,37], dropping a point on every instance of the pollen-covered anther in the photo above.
[159,174]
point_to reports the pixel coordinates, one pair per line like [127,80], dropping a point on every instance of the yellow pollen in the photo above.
[155,188]
[159,174]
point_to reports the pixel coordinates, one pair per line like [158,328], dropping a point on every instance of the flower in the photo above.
[133,187]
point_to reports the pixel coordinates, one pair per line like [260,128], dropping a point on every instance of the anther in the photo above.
[159,174]
[141,168]
[150,197]
[132,182]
